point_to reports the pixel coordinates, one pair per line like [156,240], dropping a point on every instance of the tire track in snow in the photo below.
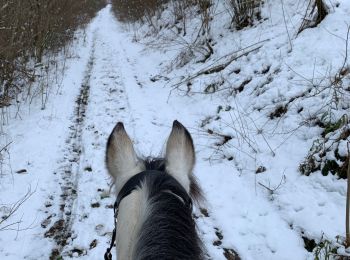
[81,227]
[61,230]
[108,103]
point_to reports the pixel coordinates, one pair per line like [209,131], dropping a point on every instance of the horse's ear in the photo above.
[121,158]
[180,157]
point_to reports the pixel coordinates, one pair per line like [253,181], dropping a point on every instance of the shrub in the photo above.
[135,10]
[30,29]
[244,12]
[326,153]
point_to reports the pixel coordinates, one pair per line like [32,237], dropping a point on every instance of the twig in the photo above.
[5,147]
[13,209]
[285,24]
[283,179]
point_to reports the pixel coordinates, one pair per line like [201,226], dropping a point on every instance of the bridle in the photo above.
[136,182]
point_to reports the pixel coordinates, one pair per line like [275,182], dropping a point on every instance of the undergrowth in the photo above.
[328,153]
[244,12]
[325,249]
[34,29]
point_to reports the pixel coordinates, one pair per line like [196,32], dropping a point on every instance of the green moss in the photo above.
[332,127]
[332,167]
[325,250]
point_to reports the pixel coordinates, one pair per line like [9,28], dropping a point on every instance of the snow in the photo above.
[259,215]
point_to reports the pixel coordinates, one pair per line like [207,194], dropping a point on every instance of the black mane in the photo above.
[158,164]
[155,164]
[169,231]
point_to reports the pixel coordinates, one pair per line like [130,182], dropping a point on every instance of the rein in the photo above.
[132,184]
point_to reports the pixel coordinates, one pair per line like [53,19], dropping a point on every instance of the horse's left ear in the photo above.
[121,159]
[180,156]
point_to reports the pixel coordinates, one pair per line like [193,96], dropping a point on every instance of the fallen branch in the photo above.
[217,68]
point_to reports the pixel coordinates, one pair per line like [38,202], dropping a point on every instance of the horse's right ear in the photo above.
[121,159]
[180,156]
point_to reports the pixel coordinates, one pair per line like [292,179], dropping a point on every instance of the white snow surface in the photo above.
[62,147]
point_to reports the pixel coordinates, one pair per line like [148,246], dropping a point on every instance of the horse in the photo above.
[154,198]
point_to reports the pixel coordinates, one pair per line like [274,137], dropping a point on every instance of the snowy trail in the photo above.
[69,172]
[111,91]
[121,91]
[111,81]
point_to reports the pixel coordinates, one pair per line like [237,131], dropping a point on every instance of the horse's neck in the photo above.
[132,211]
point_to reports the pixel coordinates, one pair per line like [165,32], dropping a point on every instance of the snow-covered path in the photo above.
[63,153]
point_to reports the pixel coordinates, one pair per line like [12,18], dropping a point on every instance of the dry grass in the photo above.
[244,12]
[29,30]
[136,10]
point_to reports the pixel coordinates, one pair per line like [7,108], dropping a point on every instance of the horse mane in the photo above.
[168,230]
[158,164]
